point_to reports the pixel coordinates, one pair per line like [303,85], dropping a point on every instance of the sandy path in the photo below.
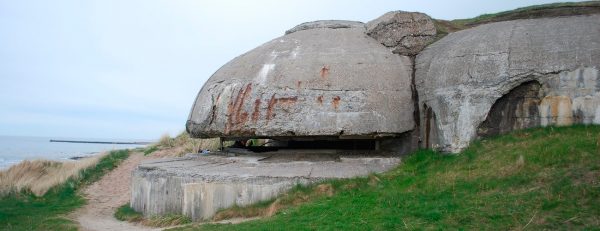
[106,195]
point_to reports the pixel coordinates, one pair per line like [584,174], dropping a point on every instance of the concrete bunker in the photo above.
[468,78]
[338,86]
[333,101]
[325,84]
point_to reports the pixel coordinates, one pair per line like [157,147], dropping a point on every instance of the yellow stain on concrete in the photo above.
[556,110]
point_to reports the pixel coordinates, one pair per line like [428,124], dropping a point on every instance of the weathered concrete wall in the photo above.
[163,193]
[318,81]
[572,97]
[461,76]
[198,186]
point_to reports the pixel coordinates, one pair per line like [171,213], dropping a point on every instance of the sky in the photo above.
[132,69]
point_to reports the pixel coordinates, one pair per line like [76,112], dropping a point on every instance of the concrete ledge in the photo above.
[199,185]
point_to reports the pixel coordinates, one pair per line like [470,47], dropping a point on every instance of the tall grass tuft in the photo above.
[192,145]
[182,144]
[165,141]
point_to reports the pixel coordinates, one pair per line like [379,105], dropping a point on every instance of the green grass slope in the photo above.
[25,211]
[559,9]
[545,178]
[536,11]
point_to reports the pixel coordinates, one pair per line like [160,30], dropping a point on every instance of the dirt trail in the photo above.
[114,190]
[106,195]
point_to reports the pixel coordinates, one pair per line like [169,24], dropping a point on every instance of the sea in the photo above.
[14,149]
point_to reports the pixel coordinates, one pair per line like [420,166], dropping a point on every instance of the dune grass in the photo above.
[181,145]
[193,145]
[545,178]
[25,211]
[38,176]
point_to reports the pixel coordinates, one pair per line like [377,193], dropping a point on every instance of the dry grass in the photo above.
[126,213]
[192,145]
[38,176]
[165,141]
[165,221]
[182,144]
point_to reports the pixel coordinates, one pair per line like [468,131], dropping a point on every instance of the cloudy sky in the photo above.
[131,69]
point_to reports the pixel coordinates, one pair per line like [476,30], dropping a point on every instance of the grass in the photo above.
[39,176]
[150,150]
[296,196]
[166,141]
[445,27]
[536,11]
[181,145]
[126,213]
[545,178]
[192,145]
[26,211]
[166,220]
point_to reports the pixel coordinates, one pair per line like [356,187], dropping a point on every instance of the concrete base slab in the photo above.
[200,185]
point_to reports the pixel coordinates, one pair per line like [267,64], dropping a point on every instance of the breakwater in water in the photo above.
[14,149]
[100,142]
